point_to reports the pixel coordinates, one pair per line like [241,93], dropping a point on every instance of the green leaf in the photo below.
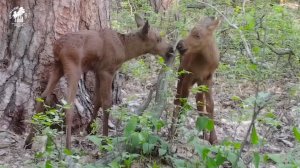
[179,162]
[68,152]
[253,67]
[200,89]
[155,165]
[39,155]
[231,157]
[162,151]
[256,50]
[199,148]
[114,164]
[270,115]
[254,136]
[296,134]
[135,139]
[220,159]
[182,72]
[48,164]
[205,152]
[204,123]
[237,145]
[161,60]
[153,139]
[278,9]
[95,139]
[147,148]
[250,22]
[210,163]
[210,125]
[159,124]
[236,98]
[38,99]
[67,106]
[130,127]
[201,123]
[256,159]
[277,157]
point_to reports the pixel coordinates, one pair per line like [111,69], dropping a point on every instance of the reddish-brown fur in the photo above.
[200,57]
[102,52]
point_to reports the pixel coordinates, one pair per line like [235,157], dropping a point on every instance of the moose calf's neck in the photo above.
[133,45]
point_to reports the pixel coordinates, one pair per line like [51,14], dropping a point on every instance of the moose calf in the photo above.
[102,52]
[199,56]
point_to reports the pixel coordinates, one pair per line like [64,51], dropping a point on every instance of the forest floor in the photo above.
[231,123]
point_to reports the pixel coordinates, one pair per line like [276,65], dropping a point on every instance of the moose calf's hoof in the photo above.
[28,141]
[213,141]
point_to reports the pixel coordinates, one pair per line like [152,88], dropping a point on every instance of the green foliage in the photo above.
[289,159]
[51,153]
[256,159]
[138,69]
[254,136]
[199,89]
[296,134]
[204,123]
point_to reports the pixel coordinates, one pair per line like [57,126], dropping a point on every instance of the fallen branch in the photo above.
[198,6]
[139,111]
[160,89]
[285,51]
[162,85]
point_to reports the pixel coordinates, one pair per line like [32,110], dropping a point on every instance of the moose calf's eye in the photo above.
[196,36]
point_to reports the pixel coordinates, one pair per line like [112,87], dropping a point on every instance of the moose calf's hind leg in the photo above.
[97,105]
[106,98]
[72,80]
[55,75]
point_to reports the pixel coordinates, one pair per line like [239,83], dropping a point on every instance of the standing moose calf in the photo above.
[199,56]
[102,52]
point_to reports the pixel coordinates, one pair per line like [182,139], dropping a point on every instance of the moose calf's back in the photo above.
[88,48]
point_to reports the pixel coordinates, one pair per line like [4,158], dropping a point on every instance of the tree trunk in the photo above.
[26,54]
[160,5]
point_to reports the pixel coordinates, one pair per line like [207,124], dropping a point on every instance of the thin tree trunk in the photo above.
[160,5]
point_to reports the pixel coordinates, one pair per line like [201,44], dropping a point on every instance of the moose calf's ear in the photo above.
[146,28]
[214,24]
[139,20]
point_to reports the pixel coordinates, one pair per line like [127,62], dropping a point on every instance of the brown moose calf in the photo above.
[102,52]
[199,56]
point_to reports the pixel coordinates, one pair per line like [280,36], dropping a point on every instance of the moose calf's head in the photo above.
[200,36]
[152,42]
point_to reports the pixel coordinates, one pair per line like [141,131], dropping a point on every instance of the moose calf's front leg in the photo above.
[106,98]
[210,109]
[200,108]
[185,82]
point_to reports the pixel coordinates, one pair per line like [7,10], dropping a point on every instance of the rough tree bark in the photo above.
[26,54]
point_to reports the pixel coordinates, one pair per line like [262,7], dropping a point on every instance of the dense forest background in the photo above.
[256,86]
